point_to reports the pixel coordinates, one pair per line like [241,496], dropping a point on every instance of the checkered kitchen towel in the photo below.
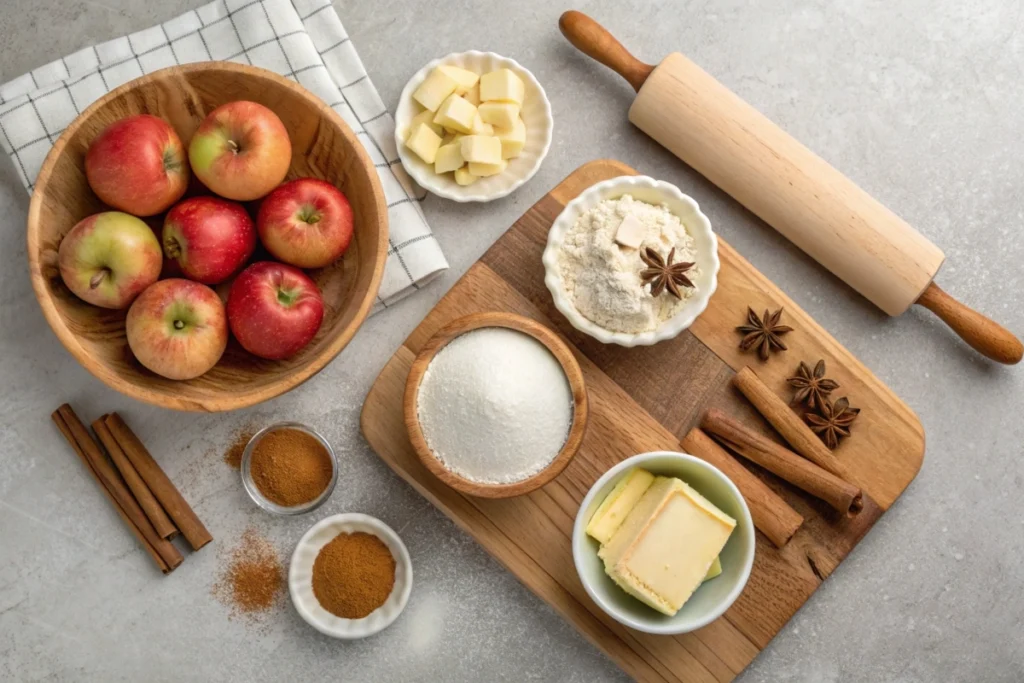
[300,39]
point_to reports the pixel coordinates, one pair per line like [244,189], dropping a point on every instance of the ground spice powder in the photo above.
[353,575]
[233,456]
[290,467]
[253,580]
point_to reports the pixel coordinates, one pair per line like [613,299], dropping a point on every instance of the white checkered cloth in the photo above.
[301,39]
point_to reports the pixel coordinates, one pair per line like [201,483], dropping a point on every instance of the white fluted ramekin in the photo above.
[536,113]
[652,191]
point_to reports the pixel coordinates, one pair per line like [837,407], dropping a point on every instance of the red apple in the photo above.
[109,258]
[241,151]
[177,328]
[209,238]
[137,165]
[274,310]
[306,222]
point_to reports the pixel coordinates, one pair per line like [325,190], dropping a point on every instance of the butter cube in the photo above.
[512,139]
[499,114]
[479,169]
[426,116]
[435,89]
[423,142]
[716,569]
[479,127]
[666,545]
[456,114]
[448,158]
[464,177]
[503,85]
[464,78]
[473,95]
[631,232]
[618,504]
[481,149]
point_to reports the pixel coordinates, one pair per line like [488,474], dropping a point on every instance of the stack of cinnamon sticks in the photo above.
[148,502]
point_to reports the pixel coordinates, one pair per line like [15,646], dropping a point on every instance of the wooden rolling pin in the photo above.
[792,189]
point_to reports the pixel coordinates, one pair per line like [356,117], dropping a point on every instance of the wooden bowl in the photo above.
[323,146]
[561,352]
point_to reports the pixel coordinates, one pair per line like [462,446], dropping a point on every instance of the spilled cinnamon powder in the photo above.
[252,582]
[233,455]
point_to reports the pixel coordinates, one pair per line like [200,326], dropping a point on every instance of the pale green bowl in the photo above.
[710,600]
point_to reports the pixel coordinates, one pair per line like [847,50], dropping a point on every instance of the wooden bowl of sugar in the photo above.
[495,405]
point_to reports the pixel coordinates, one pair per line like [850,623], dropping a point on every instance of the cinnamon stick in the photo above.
[161,486]
[771,514]
[787,423]
[776,458]
[163,552]
[156,515]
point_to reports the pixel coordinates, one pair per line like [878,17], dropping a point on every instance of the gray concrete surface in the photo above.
[920,101]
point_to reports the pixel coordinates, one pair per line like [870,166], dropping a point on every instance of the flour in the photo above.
[495,406]
[602,278]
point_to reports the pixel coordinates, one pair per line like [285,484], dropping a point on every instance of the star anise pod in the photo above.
[833,422]
[764,334]
[812,387]
[661,274]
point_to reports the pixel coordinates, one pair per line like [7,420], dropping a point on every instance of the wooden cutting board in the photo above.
[646,399]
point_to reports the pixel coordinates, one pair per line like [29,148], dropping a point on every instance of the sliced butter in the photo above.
[456,114]
[435,89]
[448,158]
[482,149]
[631,232]
[502,85]
[480,127]
[426,116]
[617,504]
[479,169]
[464,78]
[499,114]
[473,95]
[464,177]
[423,142]
[512,139]
[666,545]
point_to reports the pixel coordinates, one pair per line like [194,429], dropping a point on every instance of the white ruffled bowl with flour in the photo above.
[650,191]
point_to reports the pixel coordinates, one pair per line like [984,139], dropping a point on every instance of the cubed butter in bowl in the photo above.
[491,120]
[663,543]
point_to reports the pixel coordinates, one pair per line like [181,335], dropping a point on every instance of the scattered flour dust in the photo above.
[495,406]
[602,278]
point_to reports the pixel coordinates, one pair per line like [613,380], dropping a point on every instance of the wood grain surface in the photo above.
[644,399]
[323,146]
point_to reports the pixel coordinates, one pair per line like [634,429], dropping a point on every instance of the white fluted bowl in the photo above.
[300,577]
[652,191]
[536,114]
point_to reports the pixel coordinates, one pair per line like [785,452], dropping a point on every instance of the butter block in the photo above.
[473,95]
[499,114]
[456,114]
[448,158]
[666,545]
[423,142]
[617,504]
[426,116]
[503,85]
[464,177]
[464,78]
[435,89]
[481,169]
[482,149]
[512,139]
[631,232]
[479,127]
[715,570]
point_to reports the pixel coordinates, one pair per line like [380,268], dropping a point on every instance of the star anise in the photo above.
[833,422]
[764,334]
[812,387]
[661,274]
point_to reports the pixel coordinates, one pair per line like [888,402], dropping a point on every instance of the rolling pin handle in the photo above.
[985,336]
[594,40]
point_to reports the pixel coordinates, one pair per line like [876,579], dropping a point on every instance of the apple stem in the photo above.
[309,215]
[98,278]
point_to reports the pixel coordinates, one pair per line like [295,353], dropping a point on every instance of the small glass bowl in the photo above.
[258,497]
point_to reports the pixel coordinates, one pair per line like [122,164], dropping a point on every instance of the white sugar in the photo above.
[495,406]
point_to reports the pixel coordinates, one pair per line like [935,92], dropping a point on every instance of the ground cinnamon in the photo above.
[290,467]
[253,580]
[353,575]
[233,455]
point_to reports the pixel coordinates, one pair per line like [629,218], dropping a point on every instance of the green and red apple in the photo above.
[177,328]
[274,310]
[208,238]
[241,151]
[109,258]
[137,165]
[306,223]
